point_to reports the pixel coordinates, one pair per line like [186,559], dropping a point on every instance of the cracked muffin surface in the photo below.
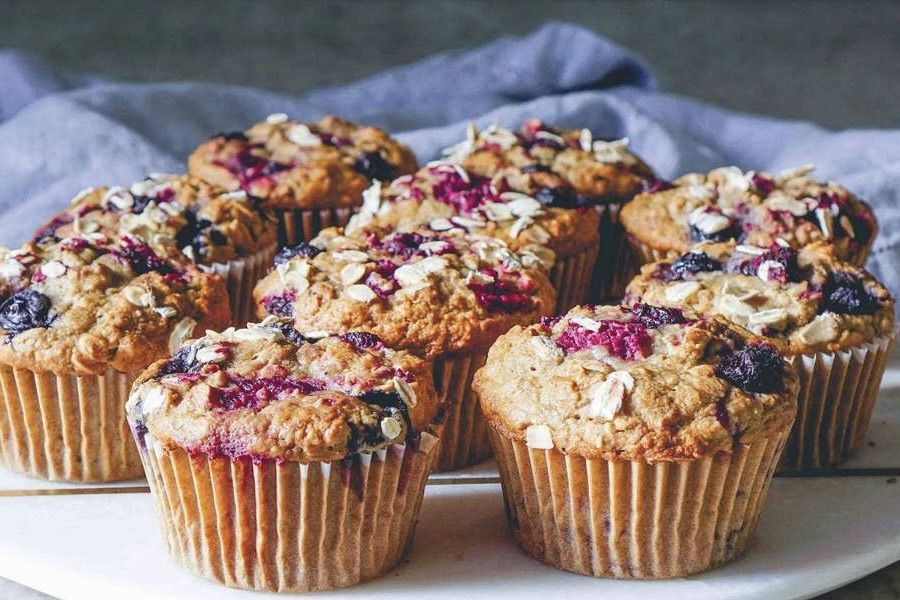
[803,300]
[753,208]
[269,392]
[428,292]
[302,165]
[90,302]
[207,224]
[635,383]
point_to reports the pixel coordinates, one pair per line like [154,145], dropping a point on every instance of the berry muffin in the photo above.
[566,168]
[80,318]
[635,442]
[260,443]
[750,208]
[445,297]
[222,232]
[833,319]
[445,197]
[311,174]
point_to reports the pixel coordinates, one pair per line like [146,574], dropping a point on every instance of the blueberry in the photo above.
[762,185]
[688,264]
[732,232]
[845,294]
[142,258]
[290,334]
[560,197]
[183,361]
[25,310]
[280,305]
[756,368]
[374,166]
[784,256]
[656,316]
[301,249]
[362,340]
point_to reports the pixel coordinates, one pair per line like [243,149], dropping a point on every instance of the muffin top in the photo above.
[270,392]
[566,168]
[444,197]
[752,208]
[290,164]
[641,383]
[427,292]
[83,304]
[208,224]
[803,301]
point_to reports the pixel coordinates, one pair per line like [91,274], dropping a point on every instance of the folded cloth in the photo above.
[61,132]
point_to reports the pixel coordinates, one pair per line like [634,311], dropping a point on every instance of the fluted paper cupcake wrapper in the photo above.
[290,526]
[838,391]
[464,438]
[67,427]
[633,519]
[571,277]
[609,279]
[240,277]
[297,225]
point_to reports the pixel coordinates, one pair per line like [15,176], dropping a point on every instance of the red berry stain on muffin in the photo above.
[502,292]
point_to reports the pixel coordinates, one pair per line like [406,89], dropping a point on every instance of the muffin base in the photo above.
[571,277]
[67,427]
[297,225]
[240,277]
[464,438]
[289,526]
[838,391]
[633,520]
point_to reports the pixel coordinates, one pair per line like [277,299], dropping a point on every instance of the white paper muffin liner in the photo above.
[634,520]
[289,527]
[571,277]
[838,391]
[464,438]
[297,225]
[240,277]
[67,427]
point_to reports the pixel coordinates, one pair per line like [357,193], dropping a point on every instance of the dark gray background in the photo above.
[836,63]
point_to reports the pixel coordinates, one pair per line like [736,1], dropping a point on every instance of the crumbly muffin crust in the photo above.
[752,208]
[268,392]
[443,196]
[208,224]
[88,303]
[640,383]
[566,167]
[427,292]
[804,301]
[291,164]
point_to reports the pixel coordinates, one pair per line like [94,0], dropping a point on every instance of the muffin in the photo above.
[311,174]
[445,297]
[222,232]
[261,443]
[635,442]
[445,197]
[833,319]
[566,168]
[750,208]
[80,318]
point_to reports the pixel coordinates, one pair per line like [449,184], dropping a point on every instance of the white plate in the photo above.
[96,542]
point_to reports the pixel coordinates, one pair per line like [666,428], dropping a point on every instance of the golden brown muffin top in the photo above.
[293,164]
[752,208]
[422,291]
[207,224]
[84,304]
[567,168]
[267,392]
[804,301]
[640,383]
[444,197]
